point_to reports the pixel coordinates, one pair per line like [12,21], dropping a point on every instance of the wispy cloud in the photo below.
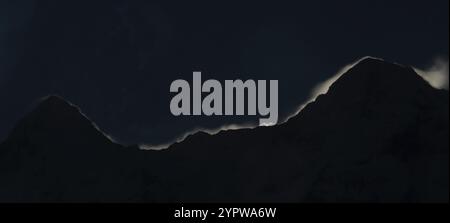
[436,74]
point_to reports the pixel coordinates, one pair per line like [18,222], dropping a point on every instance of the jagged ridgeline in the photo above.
[380,134]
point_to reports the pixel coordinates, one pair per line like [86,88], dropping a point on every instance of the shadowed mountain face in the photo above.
[379,135]
[56,154]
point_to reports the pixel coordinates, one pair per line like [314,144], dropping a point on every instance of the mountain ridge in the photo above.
[369,139]
[370,61]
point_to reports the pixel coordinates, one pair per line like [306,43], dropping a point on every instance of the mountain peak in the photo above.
[371,60]
[56,118]
[373,89]
[58,106]
[54,100]
[377,77]
[374,61]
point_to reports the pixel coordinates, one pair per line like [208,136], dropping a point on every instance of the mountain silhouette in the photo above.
[380,134]
[55,153]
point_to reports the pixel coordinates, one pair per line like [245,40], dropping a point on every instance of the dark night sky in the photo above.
[116,59]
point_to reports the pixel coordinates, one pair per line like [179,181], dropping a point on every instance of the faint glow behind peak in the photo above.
[437,74]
